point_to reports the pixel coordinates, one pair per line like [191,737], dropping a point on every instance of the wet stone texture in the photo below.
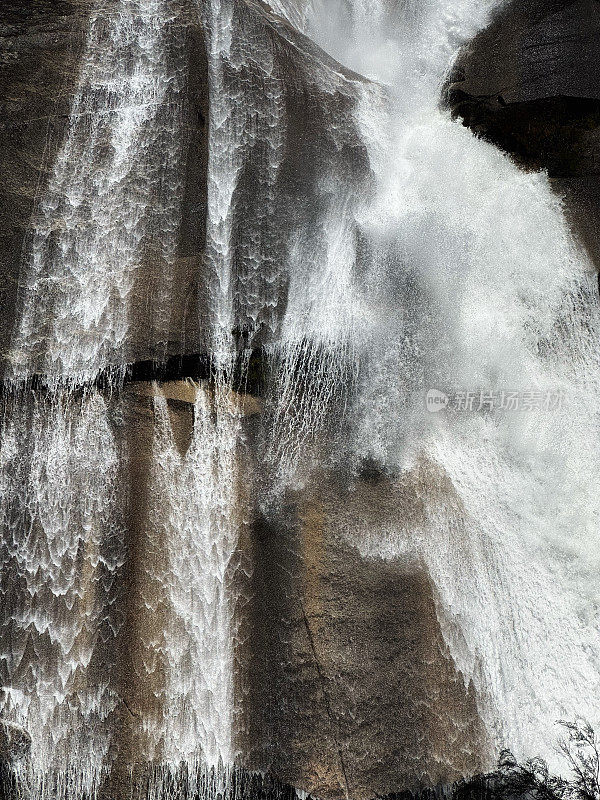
[43,46]
[353,690]
[293,139]
[40,48]
[343,685]
[530,83]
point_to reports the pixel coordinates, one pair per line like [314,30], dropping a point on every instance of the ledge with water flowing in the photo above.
[235,543]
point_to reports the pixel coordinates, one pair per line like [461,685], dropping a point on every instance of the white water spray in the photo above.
[475,284]
[458,272]
[112,201]
[62,549]
[198,518]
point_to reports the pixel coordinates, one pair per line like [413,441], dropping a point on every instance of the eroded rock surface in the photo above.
[15,742]
[289,131]
[352,690]
[530,83]
[343,683]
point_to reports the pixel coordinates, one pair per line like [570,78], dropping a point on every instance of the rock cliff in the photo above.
[292,114]
[343,683]
[530,83]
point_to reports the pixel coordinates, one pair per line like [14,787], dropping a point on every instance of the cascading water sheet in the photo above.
[410,258]
[246,141]
[112,200]
[294,11]
[197,521]
[484,292]
[62,548]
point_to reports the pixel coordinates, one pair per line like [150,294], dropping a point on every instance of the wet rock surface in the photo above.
[279,183]
[43,46]
[352,691]
[15,742]
[530,83]
[40,44]
[344,684]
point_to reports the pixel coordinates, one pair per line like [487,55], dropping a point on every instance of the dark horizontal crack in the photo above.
[248,374]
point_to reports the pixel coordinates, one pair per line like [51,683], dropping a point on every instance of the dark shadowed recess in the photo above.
[249,373]
[508,782]
[530,84]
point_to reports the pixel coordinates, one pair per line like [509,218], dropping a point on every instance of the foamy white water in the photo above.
[113,202]
[474,283]
[197,519]
[94,224]
[62,548]
[447,268]
[247,127]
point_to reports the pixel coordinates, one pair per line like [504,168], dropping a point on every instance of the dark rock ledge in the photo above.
[249,374]
[509,782]
[530,84]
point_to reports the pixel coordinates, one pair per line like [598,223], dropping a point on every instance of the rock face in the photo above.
[15,742]
[343,685]
[41,45]
[530,84]
[283,124]
[351,689]
[342,682]
[535,50]
[47,48]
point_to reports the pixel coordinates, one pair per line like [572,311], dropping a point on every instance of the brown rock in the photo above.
[530,83]
[15,742]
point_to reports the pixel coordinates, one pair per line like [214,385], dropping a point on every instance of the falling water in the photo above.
[474,283]
[94,226]
[111,205]
[62,548]
[247,128]
[199,530]
[418,258]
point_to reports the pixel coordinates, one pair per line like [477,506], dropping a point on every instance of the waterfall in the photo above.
[112,206]
[199,531]
[93,226]
[473,283]
[247,129]
[62,548]
[371,252]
